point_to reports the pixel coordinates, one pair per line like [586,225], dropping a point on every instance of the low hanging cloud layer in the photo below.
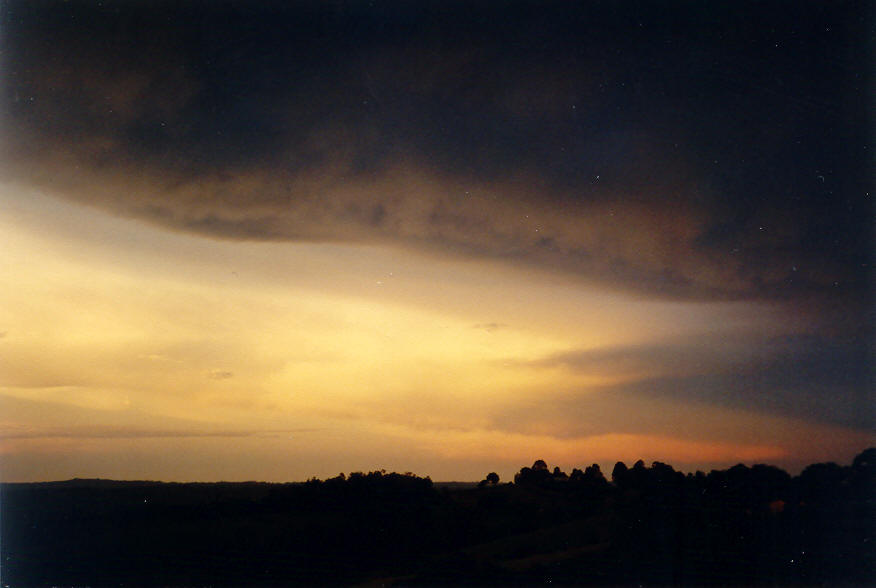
[803,376]
[704,153]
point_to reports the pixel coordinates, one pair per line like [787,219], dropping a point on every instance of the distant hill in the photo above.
[647,525]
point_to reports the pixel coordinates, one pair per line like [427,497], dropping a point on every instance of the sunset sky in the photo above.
[271,241]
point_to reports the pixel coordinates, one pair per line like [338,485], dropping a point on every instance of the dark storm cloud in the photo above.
[715,150]
[811,377]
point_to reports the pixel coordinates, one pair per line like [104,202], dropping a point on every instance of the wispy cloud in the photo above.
[490,327]
[109,432]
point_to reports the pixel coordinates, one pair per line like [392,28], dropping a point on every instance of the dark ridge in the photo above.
[646,525]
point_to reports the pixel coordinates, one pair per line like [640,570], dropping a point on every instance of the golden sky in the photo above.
[130,351]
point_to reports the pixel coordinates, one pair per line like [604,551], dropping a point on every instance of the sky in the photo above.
[272,241]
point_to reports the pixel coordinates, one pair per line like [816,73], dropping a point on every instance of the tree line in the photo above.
[642,525]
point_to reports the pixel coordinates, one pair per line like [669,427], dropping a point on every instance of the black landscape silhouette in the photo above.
[647,525]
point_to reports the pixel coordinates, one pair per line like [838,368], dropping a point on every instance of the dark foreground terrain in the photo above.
[647,526]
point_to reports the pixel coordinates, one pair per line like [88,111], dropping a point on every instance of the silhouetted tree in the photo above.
[821,482]
[537,475]
[638,475]
[768,484]
[619,473]
[593,475]
[866,460]
[523,476]
[665,477]
[589,484]
[491,480]
[863,475]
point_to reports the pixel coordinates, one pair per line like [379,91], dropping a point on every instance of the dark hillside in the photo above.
[647,526]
